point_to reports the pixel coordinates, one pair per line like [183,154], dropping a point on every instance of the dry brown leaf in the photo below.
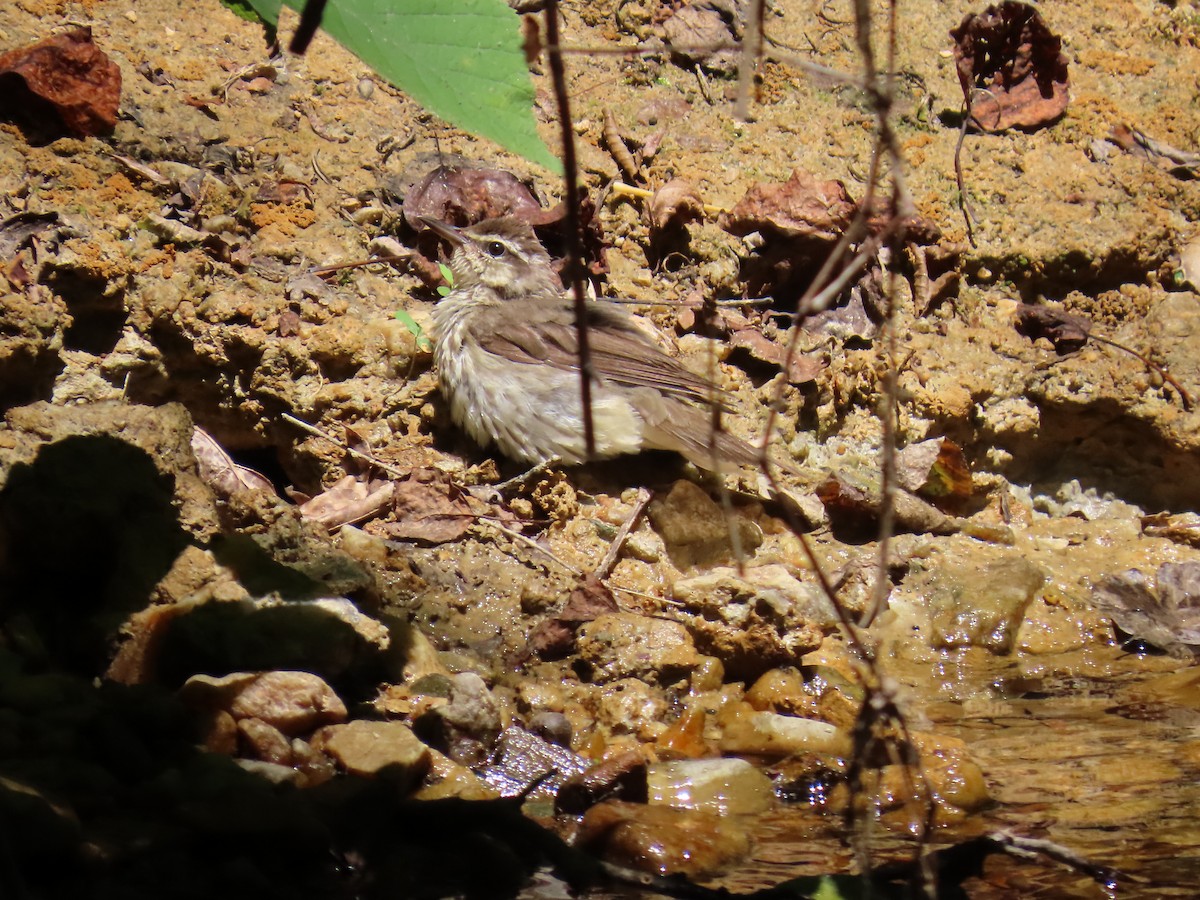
[348,500]
[1011,67]
[428,507]
[802,368]
[801,207]
[935,469]
[1166,616]
[74,76]
[463,196]
[673,205]
[219,471]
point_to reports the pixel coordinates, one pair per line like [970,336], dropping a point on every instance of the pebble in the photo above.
[363,747]
[982,607]
[826,695]
[745,730]
[661,839]
[723,786]
[626,645]
[265,742]
[292,702]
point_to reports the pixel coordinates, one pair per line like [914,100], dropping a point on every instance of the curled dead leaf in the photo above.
[800,208]
[219,471]
[1011,68]
[348,500]
[459,195]
[673,205]
[73,75]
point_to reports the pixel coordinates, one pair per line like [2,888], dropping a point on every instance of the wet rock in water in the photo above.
[446,778]
[760,620]
[466,728]
[626,645]
[553,727]
[1166,616]
[523,760]
[954,778]
[746,730]
[661,839]
[630,707]
[363,747]
[819,692]
[982,607]
[292,702]
[619,777]
[697,531]
[723,786]
[684,738]
[955,782]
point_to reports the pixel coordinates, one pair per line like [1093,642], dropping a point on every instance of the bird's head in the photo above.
[502,254]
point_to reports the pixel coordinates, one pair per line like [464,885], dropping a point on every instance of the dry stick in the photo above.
[751,50]
[573,266]
[525,539]
[963,203]
[881,702]
[360,456]
[310,20]
[622,189]
[1166,376]
[1028,848]
[614,549]
[320,271]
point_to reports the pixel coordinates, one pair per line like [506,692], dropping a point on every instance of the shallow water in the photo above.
[1103,760]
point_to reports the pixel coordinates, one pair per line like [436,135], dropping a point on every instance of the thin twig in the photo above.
[321,271]
[357,454]
[1027,847]
[528,475]
[622,189]
[751,51]
[614,549]
[573,265]
[1166,376]
[530,542]
[963,203]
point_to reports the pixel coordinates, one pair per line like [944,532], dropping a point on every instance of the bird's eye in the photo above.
[494,249]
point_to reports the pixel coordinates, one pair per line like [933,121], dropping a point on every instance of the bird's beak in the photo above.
[441,229]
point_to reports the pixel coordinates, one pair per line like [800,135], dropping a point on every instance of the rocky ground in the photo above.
[298,683]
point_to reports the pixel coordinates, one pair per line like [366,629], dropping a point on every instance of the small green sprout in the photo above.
[415,329]
[446,288]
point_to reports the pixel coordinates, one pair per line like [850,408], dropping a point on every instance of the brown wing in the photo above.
[542,333]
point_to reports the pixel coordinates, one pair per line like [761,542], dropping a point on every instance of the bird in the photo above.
[506,348]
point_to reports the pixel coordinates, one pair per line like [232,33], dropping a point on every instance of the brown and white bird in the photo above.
[507,352]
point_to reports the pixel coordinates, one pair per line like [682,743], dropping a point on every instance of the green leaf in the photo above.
[267,9]
[415,329]
[445,289]
[461,60]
